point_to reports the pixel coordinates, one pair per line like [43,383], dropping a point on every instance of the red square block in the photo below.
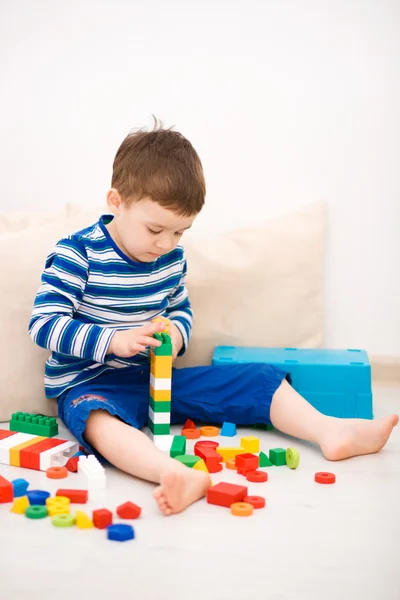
[225,494]
[246,462]
[102,518]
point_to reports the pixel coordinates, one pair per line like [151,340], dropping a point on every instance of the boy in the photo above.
[101,289]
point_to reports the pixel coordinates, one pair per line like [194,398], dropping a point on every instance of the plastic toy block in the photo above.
[242,509]
[29,457]
[189,424]
[166,345]
[264,460]
[20,505]
[324,477]
[128,511]
[82,521]
[161,367]
[34,424]
[36,512]
[188,459]
[20,486]
[191,433]
[6,490]
[75,496]
[178,446]
[166,322]
[292,458]
[9,442]
[335,382]
[250,443]
[160,384]
[15,450]
[4,433]
[277,456]
[37,497]
[120,532]
[231,464]
[228,429]
[264,426]
[200,466]
[246,462]
[161,429]
[209,431]
[206,444]
[102,518]
[255,501]
[57,472]
[227,453]
[163,442]
[159,418]
[93,471]
[160,405]
[72,464]
[211,458]
[58,455]
[160,395]
[64,520]
[256,476]
[58,506]
[226,494]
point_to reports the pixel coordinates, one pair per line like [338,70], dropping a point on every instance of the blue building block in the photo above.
[335,382]
[228,429]
[120,532]
[20,486]
[38,497]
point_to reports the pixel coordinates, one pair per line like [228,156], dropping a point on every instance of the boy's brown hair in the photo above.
[163,165]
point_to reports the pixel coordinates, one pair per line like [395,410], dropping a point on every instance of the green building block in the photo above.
[188,459]
[278,457]
[166,345]
[264,426]
[264,460]
[178,447]
[33,424]
[159,428]
[160,406]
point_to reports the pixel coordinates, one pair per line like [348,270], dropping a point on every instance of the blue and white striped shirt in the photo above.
[90,289]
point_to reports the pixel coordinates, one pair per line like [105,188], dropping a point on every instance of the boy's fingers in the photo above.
[149,341]
[153,327]
[137,348]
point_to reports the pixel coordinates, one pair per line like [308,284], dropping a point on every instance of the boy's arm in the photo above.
[52,323]
[180,312]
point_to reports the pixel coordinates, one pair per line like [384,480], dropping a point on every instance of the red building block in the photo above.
[102,518]
[199,446]
[246,462]
[225,494]
[29,457]
[6,490]
[189,424]
[72,464]
[75,496]
[128,511]
[4,433]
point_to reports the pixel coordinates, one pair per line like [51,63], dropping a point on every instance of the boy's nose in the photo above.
[164,244]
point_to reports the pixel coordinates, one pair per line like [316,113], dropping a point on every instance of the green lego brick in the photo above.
[188,459]
[264,460]
[277,456]
[159,428]
[178,446]
[160,406]
[34,424]
[166,345]
[264,426]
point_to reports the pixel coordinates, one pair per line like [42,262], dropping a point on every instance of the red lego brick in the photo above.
[225,494]
[75,496]
[6,490]
[246,462]
[29,457]
[128,511]
[102,518]
[4,433]
[72,464]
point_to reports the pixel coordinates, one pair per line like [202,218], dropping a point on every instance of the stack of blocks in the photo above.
[160,391]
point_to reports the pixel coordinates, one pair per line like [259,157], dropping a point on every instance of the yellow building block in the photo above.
[200,466]
[14,452]
[160,395]
[161,367]
[82,521]
[250,443]
[165,321]
[20,505]
[58,505]
[229,452]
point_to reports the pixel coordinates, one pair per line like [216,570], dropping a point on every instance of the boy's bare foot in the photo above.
[177,490]
[352,437]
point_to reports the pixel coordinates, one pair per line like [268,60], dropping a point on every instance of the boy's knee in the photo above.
[94,422]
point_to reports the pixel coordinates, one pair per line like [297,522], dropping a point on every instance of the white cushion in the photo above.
[251,287]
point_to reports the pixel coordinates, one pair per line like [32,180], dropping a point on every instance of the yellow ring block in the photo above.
[14,452]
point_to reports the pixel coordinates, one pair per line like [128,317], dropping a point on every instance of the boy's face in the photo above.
[145,230]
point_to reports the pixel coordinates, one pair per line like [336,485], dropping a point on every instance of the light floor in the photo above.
[312,541]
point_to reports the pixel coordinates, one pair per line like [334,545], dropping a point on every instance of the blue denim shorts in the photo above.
[239,394]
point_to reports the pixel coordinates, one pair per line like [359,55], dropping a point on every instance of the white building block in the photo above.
[58,456]
[159,417]
[93,471]
[163,442]
[160,383]
[9,442]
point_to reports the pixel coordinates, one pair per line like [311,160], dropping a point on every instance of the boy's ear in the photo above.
[114,200]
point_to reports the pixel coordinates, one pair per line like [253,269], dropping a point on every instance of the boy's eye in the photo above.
[153,232]
[179,233]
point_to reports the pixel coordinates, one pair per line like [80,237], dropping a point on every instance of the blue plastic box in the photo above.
[336,382]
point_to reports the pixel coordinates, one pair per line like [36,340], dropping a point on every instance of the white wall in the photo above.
[287,102]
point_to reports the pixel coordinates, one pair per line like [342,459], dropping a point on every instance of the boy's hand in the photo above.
[176,339]
[131,341]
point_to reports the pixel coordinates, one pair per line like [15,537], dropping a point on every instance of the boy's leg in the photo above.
[132,451]
[246,394]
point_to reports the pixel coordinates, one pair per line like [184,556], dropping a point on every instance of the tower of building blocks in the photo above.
[160,392]
[335,382]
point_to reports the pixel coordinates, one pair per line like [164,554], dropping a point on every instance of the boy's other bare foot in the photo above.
[344,438]
[177,490]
